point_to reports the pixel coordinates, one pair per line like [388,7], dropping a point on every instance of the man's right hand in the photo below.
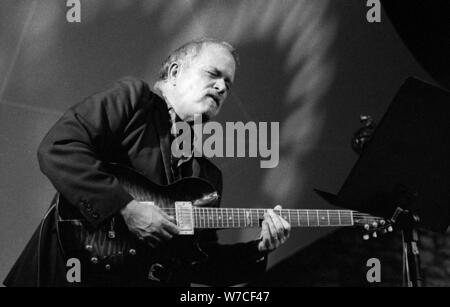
[148,222]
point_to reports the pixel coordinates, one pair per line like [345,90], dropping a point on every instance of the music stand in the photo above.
[403,172]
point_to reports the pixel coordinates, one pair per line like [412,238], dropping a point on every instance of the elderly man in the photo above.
[132,125]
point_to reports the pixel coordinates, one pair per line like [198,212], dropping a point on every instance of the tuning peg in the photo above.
[390,229]
[366,226]
[365,237]
[382,222]
[375,234]
[374,224]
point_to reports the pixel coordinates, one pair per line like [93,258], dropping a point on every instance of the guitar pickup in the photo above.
[185,217]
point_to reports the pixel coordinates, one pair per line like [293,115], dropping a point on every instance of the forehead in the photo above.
[216,56]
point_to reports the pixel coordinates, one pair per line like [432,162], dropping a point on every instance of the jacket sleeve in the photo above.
[70,154]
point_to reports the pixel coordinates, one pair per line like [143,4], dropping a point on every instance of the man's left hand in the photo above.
[275,231]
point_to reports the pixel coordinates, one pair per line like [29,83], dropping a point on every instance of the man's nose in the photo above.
[220,86]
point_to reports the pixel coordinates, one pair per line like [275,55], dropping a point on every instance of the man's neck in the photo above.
[162,90]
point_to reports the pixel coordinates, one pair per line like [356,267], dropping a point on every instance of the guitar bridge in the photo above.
[185,217]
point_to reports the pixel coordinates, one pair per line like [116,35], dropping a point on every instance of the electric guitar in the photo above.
[112,248]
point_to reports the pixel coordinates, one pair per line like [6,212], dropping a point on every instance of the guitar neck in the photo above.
[207,217]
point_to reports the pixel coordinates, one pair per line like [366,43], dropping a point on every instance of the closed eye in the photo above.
[217,74]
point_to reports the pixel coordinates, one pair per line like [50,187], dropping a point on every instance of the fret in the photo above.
[196,218]
[303,216]
[333,219]
[210,218]
[238,218]
[328,215]
[223,219]
[339,221]
[217,217]
[313,218]
[231,218]
[307,216]
[203,218]
[346,217]
[322,218]
[247,221]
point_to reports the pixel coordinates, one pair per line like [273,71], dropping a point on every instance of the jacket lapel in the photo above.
[163,127]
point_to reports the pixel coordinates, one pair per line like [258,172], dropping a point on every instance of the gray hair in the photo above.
[190,50]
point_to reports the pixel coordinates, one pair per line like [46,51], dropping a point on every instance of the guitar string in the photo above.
[239,210]
[294,215]
[245,212]
[332,217]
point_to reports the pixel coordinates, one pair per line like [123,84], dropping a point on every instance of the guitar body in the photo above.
[111,250]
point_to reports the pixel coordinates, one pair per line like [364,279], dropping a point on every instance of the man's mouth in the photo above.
[215,98]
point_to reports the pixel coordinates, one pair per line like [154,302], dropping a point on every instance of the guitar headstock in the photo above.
[373,226]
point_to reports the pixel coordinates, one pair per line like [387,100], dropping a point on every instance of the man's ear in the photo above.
[173,71]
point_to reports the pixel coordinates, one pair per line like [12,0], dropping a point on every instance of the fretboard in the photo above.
[248,218]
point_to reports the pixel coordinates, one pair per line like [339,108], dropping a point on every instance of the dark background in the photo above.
[312,65]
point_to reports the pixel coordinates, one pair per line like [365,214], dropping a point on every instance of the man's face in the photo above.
[202,84]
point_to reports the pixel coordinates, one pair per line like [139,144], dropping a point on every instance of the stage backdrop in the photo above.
[312,65]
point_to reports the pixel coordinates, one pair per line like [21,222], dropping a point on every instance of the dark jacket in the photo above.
[127,124]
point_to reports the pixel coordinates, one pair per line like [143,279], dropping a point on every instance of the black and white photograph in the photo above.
[224,149]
